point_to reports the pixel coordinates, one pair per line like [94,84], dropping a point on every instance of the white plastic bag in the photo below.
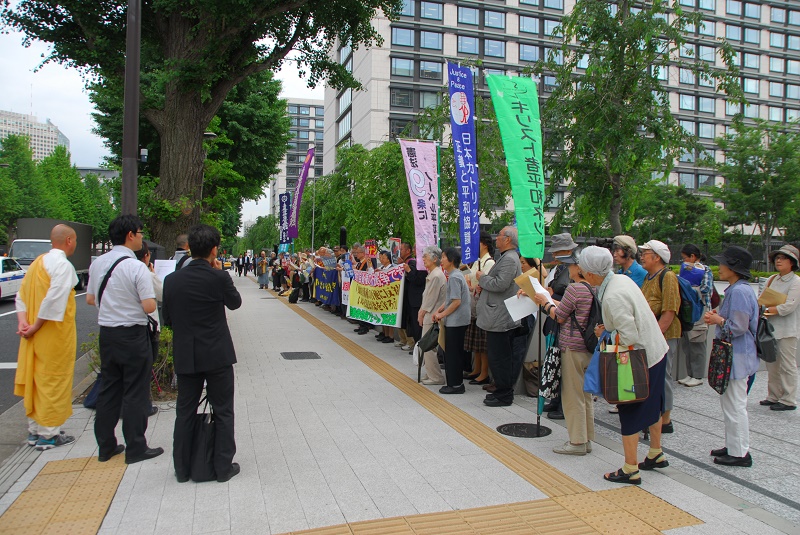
[416,355]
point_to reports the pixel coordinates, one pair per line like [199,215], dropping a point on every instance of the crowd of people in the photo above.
[483,345]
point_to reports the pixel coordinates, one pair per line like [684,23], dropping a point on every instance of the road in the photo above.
[86,319]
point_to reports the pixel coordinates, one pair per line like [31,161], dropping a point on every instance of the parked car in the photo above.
[11,275]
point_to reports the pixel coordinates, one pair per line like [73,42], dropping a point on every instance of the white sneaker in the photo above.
[683,381]
[432,382]
[588,446]
[691,381]
[399,344]
[613,410]
[570,449]
[406,348]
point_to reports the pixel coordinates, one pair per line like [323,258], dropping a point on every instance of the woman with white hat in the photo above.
[785,320]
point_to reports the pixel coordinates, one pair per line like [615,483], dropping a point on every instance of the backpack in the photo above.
[691,307]
[595,318]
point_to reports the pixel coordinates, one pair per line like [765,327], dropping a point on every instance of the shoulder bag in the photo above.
[766,343]
[624,375]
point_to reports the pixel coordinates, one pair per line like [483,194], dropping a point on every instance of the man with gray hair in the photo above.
[493,317]
[182,255]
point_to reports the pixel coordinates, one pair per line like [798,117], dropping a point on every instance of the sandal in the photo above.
[659,462]
[621,477]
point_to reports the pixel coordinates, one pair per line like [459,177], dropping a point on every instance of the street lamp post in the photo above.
[130,116]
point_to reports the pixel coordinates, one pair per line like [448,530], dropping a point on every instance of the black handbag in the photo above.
[430,339]
[766,344]
[204,433]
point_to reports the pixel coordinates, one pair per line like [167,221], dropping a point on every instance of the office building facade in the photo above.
[307,118]
[408,72]
[44,137]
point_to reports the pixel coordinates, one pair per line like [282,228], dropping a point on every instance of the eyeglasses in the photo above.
[781,257]
[138,232]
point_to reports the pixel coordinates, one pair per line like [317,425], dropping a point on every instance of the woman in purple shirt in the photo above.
[736,322]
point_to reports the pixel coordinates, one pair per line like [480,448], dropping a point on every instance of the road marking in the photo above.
[14,311]
[8,365]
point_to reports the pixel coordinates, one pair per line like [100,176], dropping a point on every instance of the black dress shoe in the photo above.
[767,403]
[782,407]
[555,415]
[722,452]
[362,331]
[489,396]
[182,479]
[104,458]
[357,329]
[453,389]
[153,410]
[494,402]
[481,382]
[667,428]
[149,453]
[387,340]
[729,460]
[235,469]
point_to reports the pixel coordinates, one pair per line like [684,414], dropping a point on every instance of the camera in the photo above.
[607,243]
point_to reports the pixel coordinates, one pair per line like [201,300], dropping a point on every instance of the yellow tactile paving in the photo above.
[69,497]
[572,508]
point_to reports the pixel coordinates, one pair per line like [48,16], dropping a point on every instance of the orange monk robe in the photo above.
[46,362]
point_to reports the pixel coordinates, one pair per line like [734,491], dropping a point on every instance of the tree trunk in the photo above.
[182,167]
[616,206]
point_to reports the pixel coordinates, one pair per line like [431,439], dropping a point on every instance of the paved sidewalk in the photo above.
[348,438]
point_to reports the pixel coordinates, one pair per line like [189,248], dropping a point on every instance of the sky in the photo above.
[57,93]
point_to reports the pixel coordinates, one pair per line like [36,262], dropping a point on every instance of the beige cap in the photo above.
[626,241]
[658,247]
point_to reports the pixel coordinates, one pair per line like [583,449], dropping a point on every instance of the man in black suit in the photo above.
[194,306]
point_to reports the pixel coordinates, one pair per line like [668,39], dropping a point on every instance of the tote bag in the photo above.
[766,344]
[623,374]
[591,378]
[719,365]
[202,460]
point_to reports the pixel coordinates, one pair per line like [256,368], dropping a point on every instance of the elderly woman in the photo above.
[627,315]
[736,323]
[432,299]
[572,312]
[455,314]
[785,319]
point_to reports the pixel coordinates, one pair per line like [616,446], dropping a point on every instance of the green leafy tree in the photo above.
[263,234]
[99,200]
[10,205]
[64,187]
[608,116]
[32,197]
[192,55]
[762,176]
[675,215]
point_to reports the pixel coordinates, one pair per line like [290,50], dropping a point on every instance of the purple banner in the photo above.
[462,122]
[298,194]
[284,202]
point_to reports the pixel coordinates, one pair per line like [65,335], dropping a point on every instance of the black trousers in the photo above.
[501,363]
[239,270]
[219,388]
[454,354]
[126,358]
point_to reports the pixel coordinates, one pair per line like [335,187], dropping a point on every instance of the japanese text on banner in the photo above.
[298,194]
[377,298]
[419,158]
[516,105]
[284,204]
[462,121]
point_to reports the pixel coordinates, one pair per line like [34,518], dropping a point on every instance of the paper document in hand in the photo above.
[771,298]
[520,307]
[539,289]
[163,268]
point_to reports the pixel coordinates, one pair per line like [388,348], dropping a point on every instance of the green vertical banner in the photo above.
[516,104]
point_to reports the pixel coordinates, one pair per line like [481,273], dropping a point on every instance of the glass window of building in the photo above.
[346,98]
[777,14]
[710,5]
[752,11]
[731,108]
[320,112]
[750,85]
[495,49]
[752,61]
[293,109]
[430,70]
[558,55]
[293,121]
[554,4]
[468,15]
[396,127]
[777,40]
[705,130]
[705,181]
[304,122]
[402,67]
[432,40]
[776,89]
[791,114]
[344,125]
[430,10]
[706,53]
[690,27]
[528,24]
[550,27]
[706,104]
[751,35]
[793,91]
[349,65]
[687,156]
[794,18]
[401,97]
[408,8]
[529,2]
[344,52]
[793,42]
[528,52]
[751,111]
[583,63]
[689,3]
[775,113]
[661,72]
[305,110]
[792,66]
[733,32]
[303,134]
[688,126]
[686,180]
[687,76]
[494,19]
[687,50]
[429,99]
[549,83]
[708,27]
[319,136]
[402,37]
[776,64]
[733,7]
[467,45]
[319,124]
[686,102]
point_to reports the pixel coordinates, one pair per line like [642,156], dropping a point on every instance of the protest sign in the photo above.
[371,249]
[377,298]
[420,161]
[298,194]
[325,281]
[516,104]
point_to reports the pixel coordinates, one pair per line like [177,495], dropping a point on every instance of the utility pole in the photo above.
[130,117]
